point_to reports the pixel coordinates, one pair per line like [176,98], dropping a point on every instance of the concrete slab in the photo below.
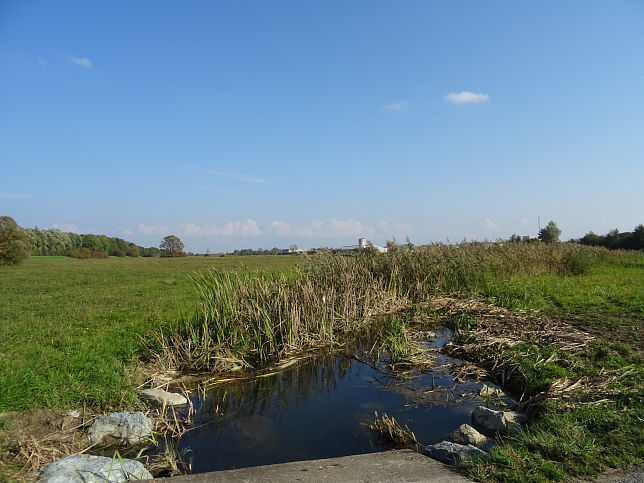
[398,466]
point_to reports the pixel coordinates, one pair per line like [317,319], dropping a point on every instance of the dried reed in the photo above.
[389,432]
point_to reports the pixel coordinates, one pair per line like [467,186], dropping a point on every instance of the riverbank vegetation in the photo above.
[247,320]
[73,331]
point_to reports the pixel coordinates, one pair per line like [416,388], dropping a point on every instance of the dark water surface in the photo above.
[317,408]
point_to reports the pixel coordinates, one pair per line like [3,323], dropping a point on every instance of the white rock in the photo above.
[162,397]
[466,434]
[92,469]
[122,428]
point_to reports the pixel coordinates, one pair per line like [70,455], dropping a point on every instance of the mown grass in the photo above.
[69,328]
[611,290]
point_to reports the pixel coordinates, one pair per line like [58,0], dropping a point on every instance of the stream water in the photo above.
[319,408]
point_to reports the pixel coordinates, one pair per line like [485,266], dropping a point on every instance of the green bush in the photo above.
[14,243]
[81,252]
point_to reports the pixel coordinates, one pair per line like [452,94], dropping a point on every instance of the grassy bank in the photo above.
[69,328]
[575,357]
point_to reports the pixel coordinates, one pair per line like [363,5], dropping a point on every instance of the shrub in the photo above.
[98,254]
[81,252]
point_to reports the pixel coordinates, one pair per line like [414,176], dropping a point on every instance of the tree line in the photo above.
[17,243]
[614,240]
[53,242]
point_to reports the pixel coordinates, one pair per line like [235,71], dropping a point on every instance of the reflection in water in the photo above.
[316,409]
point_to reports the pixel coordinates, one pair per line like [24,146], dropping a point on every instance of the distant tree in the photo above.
[171,246]
[613,239]
[550,234]
[636,240]
[14,242]
[133,250]
[293,248]
[150,252]
[592,239]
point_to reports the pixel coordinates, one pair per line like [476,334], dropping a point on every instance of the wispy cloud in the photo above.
[153,229]
[333,228]
[399,106]
[348,230]
[280,228]
[248,228]
[13,196]
[234,176]
[467,97]
[42,61]
[82,61]
[66,227]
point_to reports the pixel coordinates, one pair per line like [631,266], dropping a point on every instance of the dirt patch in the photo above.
[34,438]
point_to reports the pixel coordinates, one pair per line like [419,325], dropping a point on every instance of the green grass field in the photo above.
[69,328]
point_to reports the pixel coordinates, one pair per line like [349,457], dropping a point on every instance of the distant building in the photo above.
[362,244]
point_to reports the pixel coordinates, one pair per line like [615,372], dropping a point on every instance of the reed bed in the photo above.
[252,319]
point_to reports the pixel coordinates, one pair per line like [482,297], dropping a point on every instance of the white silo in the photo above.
[362,243]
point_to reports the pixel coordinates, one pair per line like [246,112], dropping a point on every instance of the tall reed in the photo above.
[247,318]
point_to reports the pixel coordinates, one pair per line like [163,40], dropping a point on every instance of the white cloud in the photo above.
[153,229]
[82,61]
[333,228]
[243,228]
[467,97]
[248,228]
[280,228]
[399,106]
[13,196]
[66,227]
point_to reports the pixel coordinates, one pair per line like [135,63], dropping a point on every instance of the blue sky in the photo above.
[248,124]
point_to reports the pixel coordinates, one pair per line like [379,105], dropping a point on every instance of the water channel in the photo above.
[319,408]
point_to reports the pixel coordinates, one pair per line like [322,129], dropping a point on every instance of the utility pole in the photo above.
[539,221]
